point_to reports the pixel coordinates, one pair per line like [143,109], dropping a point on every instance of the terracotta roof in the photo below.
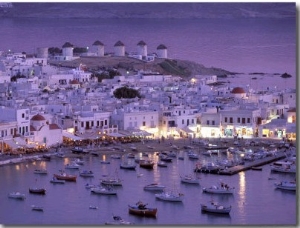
[98,43]
[67,44]
[238,90]
[74,82]
[161,46]
[141,43]
[292,110]
[38,117]
[119,43]
[53,126]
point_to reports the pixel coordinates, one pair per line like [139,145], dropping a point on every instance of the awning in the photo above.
[141,133]
[21,142]
[11,143]
[125,133]
[70,136]
[186,129]
[115,134]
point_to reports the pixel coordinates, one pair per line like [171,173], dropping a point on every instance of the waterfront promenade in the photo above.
[155,145]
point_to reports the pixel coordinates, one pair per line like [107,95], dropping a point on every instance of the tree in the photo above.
[125,92]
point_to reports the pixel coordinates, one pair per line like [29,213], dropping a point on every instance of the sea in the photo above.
[243,45]
[255,200]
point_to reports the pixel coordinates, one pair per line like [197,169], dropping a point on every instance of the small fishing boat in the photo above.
[117,220]
[66,177]
[146,164]
[141,209]
[37,208]
[93,207]
[54,180]
[41,191]
[257,168]
[221,188]
[189,179]
[104,190]
[162,164]
[170,196]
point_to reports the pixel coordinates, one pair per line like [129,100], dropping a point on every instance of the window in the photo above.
[192,121]
[248,120]
[105,122]
[183,121]
[243,120]
[23,115]
[207,122]
[225,120]
[230,120]
[213,122]
[144,123]
[238,119]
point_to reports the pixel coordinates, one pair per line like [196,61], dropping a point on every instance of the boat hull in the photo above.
[217,191]
[149,212]
[66,178]
[40,191]
[216,209]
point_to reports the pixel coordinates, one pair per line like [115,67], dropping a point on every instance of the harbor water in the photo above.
[255,201]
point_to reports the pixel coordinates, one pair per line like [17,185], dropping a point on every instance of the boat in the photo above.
[93,207]
[66,177]
[166,158]
[54,180]
[104,190]
[162,164]
[170,196]
[72,166]
[37,208]
[258,168]
[286,185]
[127,165]
[115,156]
[154,187]
[40,171]
[146,164]
[117,220]
[210,167]
[284,167]
[46,157]
[192,155]
[79,150]
[41,191]
[111,181]
[221,188]
[214,207]
[86,173]
[78,161]
[104,162]
[141,209]
[89,186]
[17,195]
[189,179]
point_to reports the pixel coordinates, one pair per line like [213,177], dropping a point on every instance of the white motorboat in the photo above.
[104,190]
[286,185]
[54,180]
[192,155]
[40,171]
[189,179]
[117,220]
[86,173]
[127,165]
[284,167]
[78,161]
[214,207]
[221,188]
[72,166]
[154,187]
[111,181]
[162,164]
[17,195]
[37,208]
[170,196]
[93,207]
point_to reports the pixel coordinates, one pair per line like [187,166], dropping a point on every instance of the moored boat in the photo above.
[162,164]
[214,207]
[154,187]
[41,191]
[66,177]
[111,181]
[117,220]
[17,195]
[104,190]
[170,196]
[221,188]
[286,185]
[40,171]
[54,180]
[86,173]
[37,208]
[189,179]
[146,164]
[141,209]
[127,165]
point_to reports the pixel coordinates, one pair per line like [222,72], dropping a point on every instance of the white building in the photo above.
[142,49]
[98,48]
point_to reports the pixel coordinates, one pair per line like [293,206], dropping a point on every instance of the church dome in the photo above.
[38,117]
[238,90]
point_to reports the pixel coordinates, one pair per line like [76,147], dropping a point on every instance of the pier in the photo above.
[249,165]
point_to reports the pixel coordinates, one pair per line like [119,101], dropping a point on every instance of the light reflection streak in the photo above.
[242,193]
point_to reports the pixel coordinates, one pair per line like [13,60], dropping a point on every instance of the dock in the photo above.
[249,165]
